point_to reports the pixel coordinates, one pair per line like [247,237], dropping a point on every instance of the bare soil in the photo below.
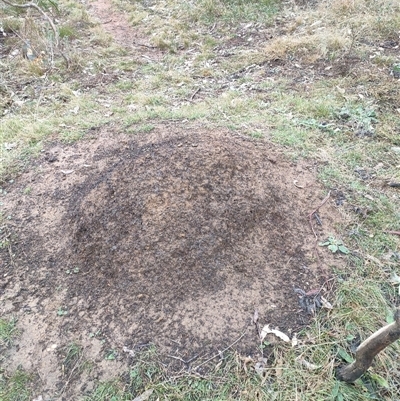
[172,238]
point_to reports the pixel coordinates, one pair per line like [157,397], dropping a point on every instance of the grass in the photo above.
[317,79]
[15,387]
[8,331]
[148,373]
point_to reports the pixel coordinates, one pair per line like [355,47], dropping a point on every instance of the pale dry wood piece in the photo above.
[369,348]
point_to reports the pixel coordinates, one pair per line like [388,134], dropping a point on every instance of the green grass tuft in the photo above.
[15,387]
[8,331]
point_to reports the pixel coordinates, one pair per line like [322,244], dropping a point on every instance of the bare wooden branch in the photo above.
[368,349]
[36,7]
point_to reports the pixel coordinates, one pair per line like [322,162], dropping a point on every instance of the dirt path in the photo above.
[116,24]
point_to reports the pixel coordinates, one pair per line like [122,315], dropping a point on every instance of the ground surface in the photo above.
[156,186]
[172,238]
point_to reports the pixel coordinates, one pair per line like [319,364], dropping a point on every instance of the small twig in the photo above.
[393,232]
[221,352]
[315,211]
[311,225]
[195,93]
[9,247]
[182,360]
[66,59]
[142,45]
[177,358]
[186,374]
[36,7]
[316,215]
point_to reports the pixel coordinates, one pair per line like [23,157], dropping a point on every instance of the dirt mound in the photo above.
[184,235]
[172,238]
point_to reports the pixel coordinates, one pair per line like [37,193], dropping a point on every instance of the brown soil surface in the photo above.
[172,238]
[116,24]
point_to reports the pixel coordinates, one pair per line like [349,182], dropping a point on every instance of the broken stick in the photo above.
[368,349]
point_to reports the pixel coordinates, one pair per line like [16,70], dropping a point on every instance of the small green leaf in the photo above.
[343,249]
[111,355]
[339,397]
[344,355]
[380,380]
[333,248]
[62,312]
[324,243]
[394,278]
[335,390]
[389,317]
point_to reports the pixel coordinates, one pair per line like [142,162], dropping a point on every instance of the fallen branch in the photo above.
[368,349]
[36,7]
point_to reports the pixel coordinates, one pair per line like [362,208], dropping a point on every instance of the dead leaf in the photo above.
[341,90]
[261,370]
[67,171]
[9,146]
[295,182]
[144,396]
[75,110]
[325,303]
[394,278]
[246,360]
[131,352]
[307,365]
[266,330]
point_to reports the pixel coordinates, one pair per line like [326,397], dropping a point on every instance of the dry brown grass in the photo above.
[334,28]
